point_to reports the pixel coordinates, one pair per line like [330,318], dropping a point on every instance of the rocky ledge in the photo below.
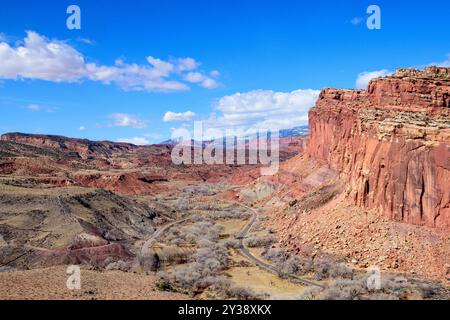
[392,143]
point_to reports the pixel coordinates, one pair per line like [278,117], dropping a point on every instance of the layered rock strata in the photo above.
[392,143]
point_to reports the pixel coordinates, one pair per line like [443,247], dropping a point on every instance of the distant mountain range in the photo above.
[284,133]
[294,132]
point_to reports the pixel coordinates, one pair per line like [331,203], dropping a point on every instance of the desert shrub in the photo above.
[185,278]
[287,264]
[395,285]
[310,293]
[202,189]
[346,293]
[258,227]
[348,289]
[232,244]
[204,265]
[341,271]
[333,294]
[149,262]
[275,255]
[216,283]
[255,241]
[117,265]
[175,240]
[223,288]
[196,218]
[182,204]
[241,293]
[192,233]
[204,207]
[392,288]
[209,250]
[290,266]
[229,215]
[163,281]
[341,289]
[324,269]
[383,296]
[189,279]
[427,290]
[173,255]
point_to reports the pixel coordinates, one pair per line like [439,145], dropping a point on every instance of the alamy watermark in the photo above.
[228,146]
[373,281]
[374,20]
[74,280]
[73,22]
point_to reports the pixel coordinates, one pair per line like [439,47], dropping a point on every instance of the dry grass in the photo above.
[232,227]
[50,284]
[261,281]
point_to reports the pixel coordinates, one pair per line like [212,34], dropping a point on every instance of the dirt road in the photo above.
[261,264]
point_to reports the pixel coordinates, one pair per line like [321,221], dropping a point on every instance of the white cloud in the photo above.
[187,64]
[139,141]
[52,60]
[40,59]
[267,109]
[34,107]
[204,81]
[214,74]
[86,41]
[445,63]
[194,77]
[178,117]
[209,83]
[134,77]
[258,110]
[162,68]
[356,20]
[146,139]
[126,120]
[82,128]
[364,78]
[37,107]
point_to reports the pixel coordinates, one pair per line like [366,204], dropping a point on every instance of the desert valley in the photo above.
[365,193]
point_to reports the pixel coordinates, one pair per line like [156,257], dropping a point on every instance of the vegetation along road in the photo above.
[261,264]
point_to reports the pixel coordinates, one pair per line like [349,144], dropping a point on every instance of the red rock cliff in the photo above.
[392,142]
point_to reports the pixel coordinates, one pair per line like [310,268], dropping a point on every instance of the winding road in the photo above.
[149,242]
[244,251]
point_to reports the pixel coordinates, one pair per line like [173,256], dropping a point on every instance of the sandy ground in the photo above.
[50,284]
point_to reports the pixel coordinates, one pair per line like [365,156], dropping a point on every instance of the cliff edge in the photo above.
[392,143]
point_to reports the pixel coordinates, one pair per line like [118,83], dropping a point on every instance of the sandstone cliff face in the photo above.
[392,142]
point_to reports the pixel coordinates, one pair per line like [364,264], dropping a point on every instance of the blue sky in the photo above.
[276,54]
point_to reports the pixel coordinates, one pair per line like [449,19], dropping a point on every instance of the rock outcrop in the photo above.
[42,227]
[70,146]
[392,143]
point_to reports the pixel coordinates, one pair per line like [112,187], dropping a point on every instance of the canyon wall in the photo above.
[392,143]
[79,147]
